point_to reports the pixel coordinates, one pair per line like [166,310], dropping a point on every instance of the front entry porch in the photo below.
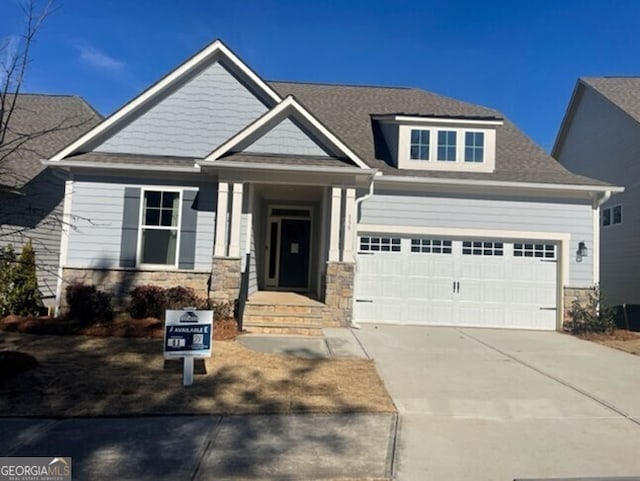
[292,235]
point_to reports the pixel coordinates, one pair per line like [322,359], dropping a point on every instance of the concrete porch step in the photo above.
[285,313]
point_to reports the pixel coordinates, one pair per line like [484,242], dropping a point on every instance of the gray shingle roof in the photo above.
[346,111]
[134,159]
[50,122]
[624,92]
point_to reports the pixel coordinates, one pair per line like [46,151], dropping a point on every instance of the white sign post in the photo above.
[188,334]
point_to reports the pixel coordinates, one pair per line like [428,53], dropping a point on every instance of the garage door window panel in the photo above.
[482,248]
[431,246]
[539,251]
[379,244]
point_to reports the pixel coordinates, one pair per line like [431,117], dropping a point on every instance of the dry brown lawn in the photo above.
[627,341]
[92,376]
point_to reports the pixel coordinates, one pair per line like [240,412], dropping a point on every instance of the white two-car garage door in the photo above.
[456,282]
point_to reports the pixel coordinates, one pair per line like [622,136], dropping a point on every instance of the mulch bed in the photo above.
[621,339]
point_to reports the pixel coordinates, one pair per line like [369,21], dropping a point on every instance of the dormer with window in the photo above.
[440,143]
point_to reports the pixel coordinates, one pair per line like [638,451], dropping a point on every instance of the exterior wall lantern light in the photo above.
[582,251]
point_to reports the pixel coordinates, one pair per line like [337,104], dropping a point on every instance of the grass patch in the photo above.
[96,376]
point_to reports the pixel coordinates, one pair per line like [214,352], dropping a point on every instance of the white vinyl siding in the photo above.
[488,214]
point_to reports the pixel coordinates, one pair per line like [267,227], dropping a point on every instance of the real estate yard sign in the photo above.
[187,334]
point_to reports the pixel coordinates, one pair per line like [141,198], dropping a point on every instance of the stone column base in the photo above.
[571,294]
[225,279]
[339,291]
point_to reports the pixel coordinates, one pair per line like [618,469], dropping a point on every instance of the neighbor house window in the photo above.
[447,140]
[474,147]
[159,227]
[419,144]
[617,214]
[611,215]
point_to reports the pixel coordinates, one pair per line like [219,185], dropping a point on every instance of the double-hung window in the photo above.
[159,227]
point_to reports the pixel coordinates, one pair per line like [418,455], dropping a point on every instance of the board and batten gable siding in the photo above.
[193,120]
[98,212]
[488,214]
[288,139]
[604,143]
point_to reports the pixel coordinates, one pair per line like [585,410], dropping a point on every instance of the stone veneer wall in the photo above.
[120,282]
[225,279]
[339,291]
[580,294]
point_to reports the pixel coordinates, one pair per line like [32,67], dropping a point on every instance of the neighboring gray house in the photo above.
[30,195]
[386,204]
[600,137]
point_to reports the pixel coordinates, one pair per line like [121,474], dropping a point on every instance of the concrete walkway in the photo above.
[336,343]
[274,447]
[487,405]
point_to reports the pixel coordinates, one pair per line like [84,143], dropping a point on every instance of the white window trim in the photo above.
[141,226]
[404,149]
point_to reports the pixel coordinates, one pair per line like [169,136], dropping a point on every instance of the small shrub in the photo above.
[147,301]
[26,299]
[179,297]
[8,260]
[88,304]
[19,293]
[592,316]
[222,310]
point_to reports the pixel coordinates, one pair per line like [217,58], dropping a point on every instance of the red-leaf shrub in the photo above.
[87,304]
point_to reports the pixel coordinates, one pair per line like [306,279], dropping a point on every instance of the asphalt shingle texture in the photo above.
[624,92]
[40,126]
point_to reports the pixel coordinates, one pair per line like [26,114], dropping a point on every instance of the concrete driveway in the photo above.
[483,404]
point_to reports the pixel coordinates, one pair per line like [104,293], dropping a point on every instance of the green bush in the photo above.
[87,304]
[591,316]
[19,293]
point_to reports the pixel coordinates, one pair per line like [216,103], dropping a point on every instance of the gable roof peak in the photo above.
[216,51]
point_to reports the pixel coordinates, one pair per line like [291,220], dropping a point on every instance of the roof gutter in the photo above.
[107,166]
[498,183]
[228,165]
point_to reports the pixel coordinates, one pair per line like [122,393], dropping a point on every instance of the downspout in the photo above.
[597,203]
[359,201]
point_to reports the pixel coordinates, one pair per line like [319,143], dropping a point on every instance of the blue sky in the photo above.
[521,57]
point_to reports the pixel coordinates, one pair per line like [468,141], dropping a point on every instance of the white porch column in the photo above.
[334,238]
[236,221]
[220,243]
[349,220]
